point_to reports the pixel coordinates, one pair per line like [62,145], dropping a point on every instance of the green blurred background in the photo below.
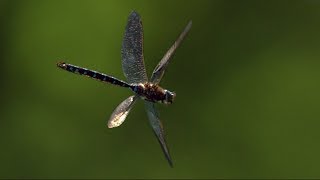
[247,79]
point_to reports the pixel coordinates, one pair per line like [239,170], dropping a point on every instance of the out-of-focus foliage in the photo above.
[247,80]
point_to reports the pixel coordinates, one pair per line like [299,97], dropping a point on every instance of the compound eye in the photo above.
[170,96]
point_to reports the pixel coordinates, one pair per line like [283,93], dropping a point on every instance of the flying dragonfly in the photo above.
[137,80]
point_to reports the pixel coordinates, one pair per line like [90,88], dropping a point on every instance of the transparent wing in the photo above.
[161,67]
[121,112]
[157,128]
[132,50]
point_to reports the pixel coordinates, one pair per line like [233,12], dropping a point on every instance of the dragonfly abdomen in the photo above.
[93,74]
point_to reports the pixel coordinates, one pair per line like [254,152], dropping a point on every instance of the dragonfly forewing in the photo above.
[121,112]
[132,50]
[157,128]
[161,67]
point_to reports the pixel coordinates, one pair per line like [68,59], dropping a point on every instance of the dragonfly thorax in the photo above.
[154,93]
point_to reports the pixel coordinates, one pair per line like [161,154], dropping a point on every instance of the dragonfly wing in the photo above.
[161,67]
[121,112]
[132,50]
[157,128]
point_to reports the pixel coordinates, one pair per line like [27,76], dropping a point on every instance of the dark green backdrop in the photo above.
[247,79]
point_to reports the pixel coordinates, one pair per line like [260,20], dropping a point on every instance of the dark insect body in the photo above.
[137,80]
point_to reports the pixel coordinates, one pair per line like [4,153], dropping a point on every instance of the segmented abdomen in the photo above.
[92,74]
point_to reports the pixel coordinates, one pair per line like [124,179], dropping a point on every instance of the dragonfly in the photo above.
[137,81]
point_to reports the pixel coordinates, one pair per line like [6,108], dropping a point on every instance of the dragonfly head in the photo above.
[169,97]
